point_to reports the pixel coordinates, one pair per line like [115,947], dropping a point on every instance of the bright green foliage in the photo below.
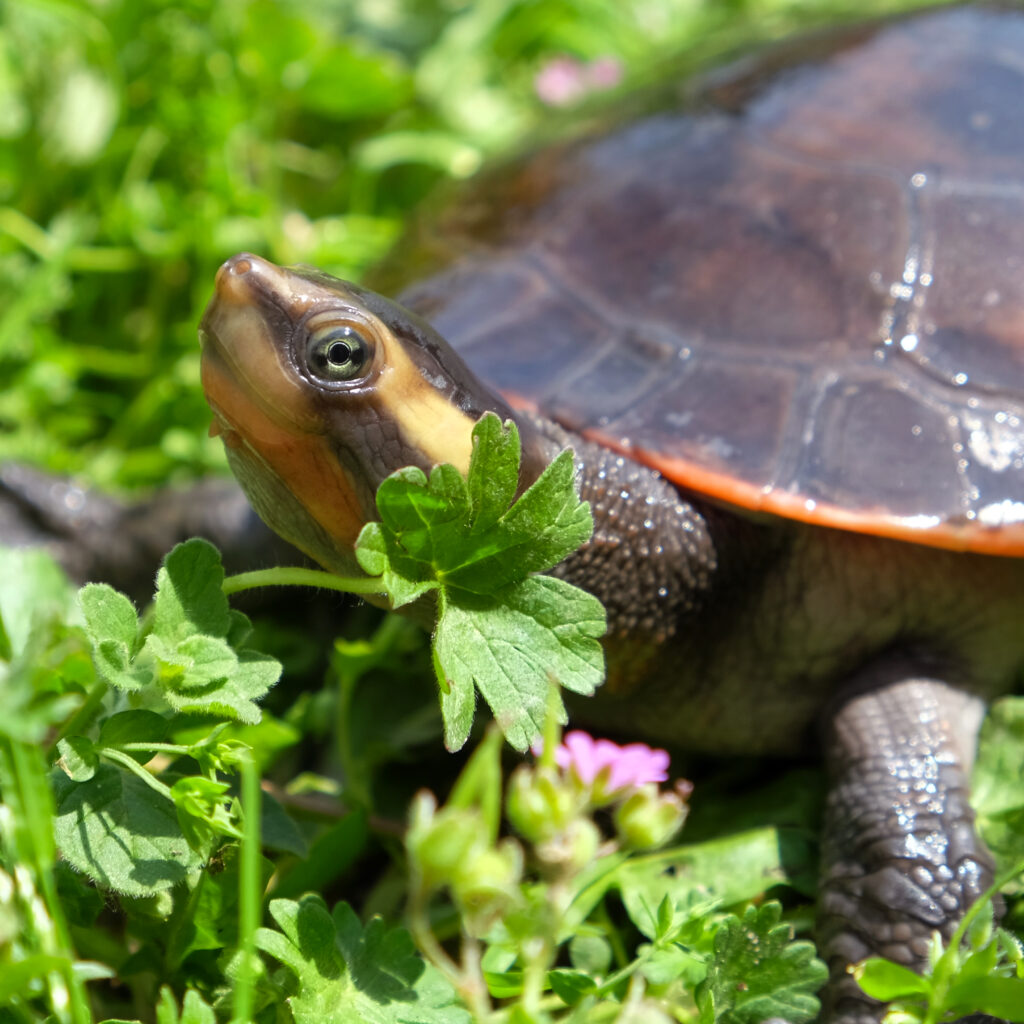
[348,974]
[735,971]
[501,629]
[42,676]
[760,972]
[984,974]
[194,1009]
[731,869]
[115,820]
[192,655]
[467,535]
[167,835]
[42,654]
[115,829]
[996,792]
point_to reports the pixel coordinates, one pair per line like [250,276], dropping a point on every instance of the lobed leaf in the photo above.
[348,974]
[542,631]
[194,1009]
[758,971]
[501,629]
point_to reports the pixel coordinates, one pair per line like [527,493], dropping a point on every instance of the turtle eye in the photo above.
[337,352]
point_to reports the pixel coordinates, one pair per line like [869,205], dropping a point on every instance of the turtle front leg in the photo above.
[900,855]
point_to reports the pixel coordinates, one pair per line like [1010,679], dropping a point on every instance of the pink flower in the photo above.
[614,768]
[564,80]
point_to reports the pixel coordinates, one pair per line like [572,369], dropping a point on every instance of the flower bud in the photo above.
[541,803]
[439,842]
[487,883]
[648,818]
[572,849]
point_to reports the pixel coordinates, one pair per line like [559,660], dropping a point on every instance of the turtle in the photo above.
[780,322]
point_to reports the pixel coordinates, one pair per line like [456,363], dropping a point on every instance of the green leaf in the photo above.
[203,814]
[501,629]
[542,631]
[47,666]
[549,521]
[995,782]
[758,972]
[277,830]
[348,974]
[113,627]
[192,654]
[379,555]
[120,833]
[697,877]
[331,854]
[458,703]
[673,963]
[570,986]
[33,589]
[78,758]
[194,1009]
[591,952]
[212,921]
[886,980]
[998,997]
[450,529]
[198,668]
[345,82]
[493,472]
[189,598]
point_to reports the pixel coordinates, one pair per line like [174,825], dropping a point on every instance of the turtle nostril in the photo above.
[237,266]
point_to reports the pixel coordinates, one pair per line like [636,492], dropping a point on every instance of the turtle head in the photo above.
[320,389]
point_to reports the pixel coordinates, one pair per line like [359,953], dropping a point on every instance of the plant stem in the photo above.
[133,766]
[296,576]
[249,891]
[158,748]
[473,987]
[468,984]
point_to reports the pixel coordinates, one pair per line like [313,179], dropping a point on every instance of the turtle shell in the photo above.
[802,293]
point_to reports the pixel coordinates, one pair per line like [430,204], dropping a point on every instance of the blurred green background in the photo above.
[142,142]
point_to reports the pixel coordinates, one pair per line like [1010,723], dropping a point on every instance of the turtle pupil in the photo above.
[339,353]
[336,353]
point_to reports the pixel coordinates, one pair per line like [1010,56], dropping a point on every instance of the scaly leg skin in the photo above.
[900,857]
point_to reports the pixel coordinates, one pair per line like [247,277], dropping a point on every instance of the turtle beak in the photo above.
[246,368]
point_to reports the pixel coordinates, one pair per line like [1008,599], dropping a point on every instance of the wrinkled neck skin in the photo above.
[650,560]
